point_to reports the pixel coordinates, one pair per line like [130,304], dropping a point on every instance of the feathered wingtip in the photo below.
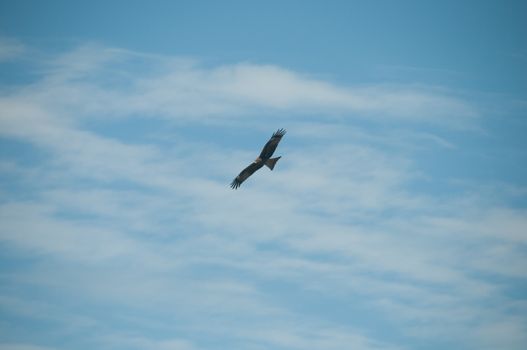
[279,133]
[235,184]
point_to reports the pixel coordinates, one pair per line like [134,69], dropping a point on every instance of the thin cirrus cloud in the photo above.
[149,230]
[105,80]
[11,49]
[244,86]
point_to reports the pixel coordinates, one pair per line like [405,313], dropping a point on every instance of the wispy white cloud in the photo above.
[135,342]
[98,82]
[10,49]
[242,87]
[18,346]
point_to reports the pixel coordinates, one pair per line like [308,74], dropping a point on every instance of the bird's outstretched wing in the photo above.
[245,173]
[271,145]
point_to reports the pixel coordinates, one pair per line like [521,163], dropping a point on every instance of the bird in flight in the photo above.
[263,159]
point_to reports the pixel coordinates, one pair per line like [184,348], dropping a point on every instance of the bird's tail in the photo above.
[271,162]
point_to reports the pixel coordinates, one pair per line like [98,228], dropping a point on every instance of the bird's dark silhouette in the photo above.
[263,159]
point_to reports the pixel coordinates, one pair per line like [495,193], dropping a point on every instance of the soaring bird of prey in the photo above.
[263,159]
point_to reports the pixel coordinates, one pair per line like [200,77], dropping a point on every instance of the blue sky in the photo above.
[396,218]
